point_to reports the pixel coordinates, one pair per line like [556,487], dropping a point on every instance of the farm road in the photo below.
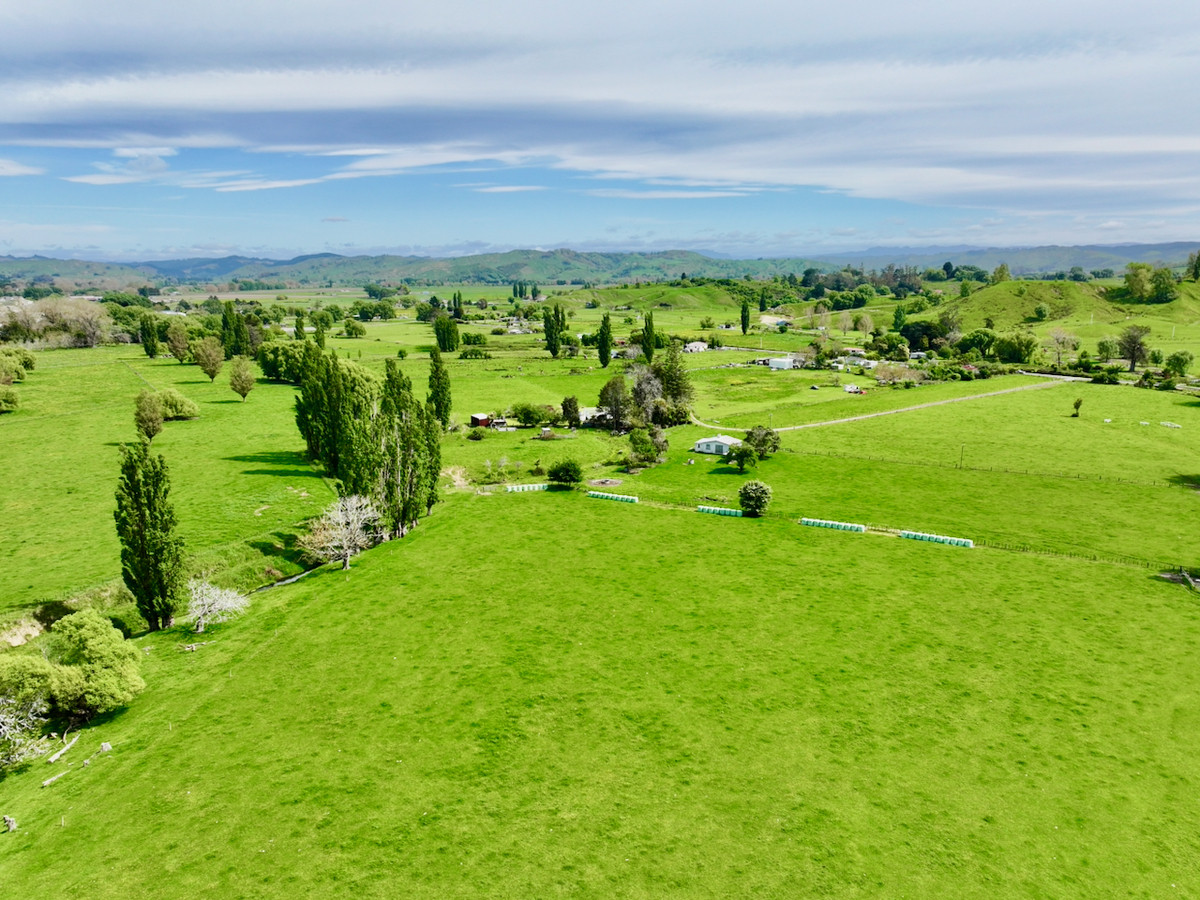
[892,412]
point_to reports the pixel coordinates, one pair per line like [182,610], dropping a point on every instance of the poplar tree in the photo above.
[604,341]
[148,332]
[648,337]
[553,335]
[299,329]
[745,315]
[151,551]
[439,388]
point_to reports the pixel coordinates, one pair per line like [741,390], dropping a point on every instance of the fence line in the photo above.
[1029,549]
[932,464]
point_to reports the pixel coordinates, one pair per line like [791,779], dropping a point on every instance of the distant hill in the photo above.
[548,267]
[1022,260]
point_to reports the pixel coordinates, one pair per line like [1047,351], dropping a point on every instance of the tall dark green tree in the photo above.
[299,330]
[745,315]
[551,331]
[151,550]
[648,337]
[235,336]
[148,332]
[445,331]
[604,341]
[409,444]
[439,388]
[673,375]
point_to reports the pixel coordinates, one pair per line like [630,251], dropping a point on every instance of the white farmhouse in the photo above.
[695,347]
[719,444]
[781,362]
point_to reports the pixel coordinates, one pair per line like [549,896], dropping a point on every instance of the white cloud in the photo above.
[1071,108]
[11,168]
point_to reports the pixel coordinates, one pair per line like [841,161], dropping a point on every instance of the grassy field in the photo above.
[747,708]
[547,695]
[239,477]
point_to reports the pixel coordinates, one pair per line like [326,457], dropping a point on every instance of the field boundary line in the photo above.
[891,412]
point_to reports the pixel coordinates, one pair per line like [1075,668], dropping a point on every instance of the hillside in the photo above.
[1024,260]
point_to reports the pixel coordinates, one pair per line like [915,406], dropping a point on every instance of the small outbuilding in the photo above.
[781,362]
[480,420]
[695,347]
[719,444]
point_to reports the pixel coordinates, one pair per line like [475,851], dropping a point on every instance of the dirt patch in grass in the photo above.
[604,482]
[458,475]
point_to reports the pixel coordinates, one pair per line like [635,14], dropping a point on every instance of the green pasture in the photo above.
[517,700]
[240,482]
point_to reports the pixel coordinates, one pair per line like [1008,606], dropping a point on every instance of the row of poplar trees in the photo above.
[376,437]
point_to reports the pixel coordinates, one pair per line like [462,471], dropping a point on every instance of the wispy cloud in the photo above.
[1066,110]
[11,168]
[509,188]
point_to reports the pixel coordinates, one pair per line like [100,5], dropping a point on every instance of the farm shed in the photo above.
[782,362]
[719,444]
[695,347]
[480,420]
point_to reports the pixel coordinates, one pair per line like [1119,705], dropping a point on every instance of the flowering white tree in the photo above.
[349,526]
[20,730]
[209,603]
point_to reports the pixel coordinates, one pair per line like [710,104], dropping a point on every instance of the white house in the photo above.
[695,347]
[719,444]
[781,362]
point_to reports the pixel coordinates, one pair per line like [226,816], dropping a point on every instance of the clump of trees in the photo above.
[87,668]
[660,395]
[376,438]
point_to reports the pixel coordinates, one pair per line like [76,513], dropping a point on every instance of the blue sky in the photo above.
[140,131]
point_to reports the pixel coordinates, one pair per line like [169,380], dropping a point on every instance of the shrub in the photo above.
[9,401]
[754,497]
[474,339]
[402,353]
[567,472]
[21,355]
[476,434]
[176,406]
[11,370]
[105,665]
[474,353]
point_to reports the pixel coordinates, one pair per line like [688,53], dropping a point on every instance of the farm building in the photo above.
[719,444]
[695,347]
[480,420]
[781,362]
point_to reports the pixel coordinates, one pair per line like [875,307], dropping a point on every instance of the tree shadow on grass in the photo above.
[291,463]
[1192,481]
[283,547]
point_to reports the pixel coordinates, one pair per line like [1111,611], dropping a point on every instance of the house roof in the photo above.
[723,438]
